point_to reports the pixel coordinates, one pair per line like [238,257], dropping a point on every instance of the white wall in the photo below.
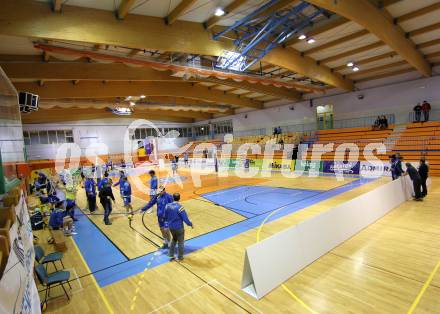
[107,131]
[397,98]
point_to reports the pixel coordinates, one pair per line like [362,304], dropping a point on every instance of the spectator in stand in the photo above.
[417,112]
[426,108]
[384,122]
[376,124]
[417,181]
[281,142]
[423,172]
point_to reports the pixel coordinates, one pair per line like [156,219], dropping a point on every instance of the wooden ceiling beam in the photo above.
[352,52]
[369,60]
[95,89]
[124,8]
[377,69]
[384,75]
[19,71]
[63,115]
[414,14]
[33,19]
[57,5]
[336,42]
[319,28]
[368,16]
[234,5]
[178,11]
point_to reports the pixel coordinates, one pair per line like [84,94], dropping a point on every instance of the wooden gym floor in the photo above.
[380,270]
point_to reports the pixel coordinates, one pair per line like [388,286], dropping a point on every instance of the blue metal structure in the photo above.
[259,33]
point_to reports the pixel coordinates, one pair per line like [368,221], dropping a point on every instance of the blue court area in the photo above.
[250,201]
[109,265]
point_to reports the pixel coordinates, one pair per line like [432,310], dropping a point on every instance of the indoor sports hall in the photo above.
[219,156]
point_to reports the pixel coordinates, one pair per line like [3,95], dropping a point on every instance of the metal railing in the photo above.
[360,122]
[434,115]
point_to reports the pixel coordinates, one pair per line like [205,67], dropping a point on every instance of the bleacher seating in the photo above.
[360,136]
[288,138]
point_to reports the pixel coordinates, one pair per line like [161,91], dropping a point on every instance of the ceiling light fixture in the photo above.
[350,64]
[311,40]
[302,37]
[355,69]
[219,11]
[143,96]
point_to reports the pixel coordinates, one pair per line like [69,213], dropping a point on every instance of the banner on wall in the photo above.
[18,292]
[278,164]
[308,166]
[344,167]
[371,170]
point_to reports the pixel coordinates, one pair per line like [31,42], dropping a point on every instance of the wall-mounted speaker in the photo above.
[28,102]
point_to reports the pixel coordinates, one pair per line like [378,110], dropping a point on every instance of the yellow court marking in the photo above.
[107,304]
[296,298]
[425,286]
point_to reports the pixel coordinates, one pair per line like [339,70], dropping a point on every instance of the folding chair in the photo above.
[49,258]
[48,280]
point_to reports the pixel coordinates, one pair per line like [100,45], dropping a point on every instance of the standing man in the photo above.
[106,197]
[417,112]
[175,215]
[154,182]
[126,194]
[161,199]
[174,165]
[426,108]
[423,172]
[417,181]
[185,158]
[90,188]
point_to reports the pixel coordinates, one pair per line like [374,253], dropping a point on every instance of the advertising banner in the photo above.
[348,167]
[371,170]
[18,292]
[309,166]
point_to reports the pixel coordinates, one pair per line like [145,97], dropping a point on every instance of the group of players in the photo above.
[171,215]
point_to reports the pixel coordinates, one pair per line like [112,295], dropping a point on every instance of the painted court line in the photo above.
[238,296]
[121,270]
[181,297]
[103,297]
[425,286]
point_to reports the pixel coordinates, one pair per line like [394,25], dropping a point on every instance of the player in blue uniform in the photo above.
[102,182]
[154,182]
[162,198]
[126,193]
[174,166]
[90,187]
[175,215]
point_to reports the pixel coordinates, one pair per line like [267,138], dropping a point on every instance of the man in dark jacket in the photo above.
[106,197]
[426,108]
[423,172]
[417,112]
[415,178]
[175,215]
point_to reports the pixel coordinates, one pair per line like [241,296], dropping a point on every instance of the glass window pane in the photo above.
[137,134]
[34,138]
[69,139]
[69,133]
[43,137]
[52,137]
[61,136]
[143,134]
